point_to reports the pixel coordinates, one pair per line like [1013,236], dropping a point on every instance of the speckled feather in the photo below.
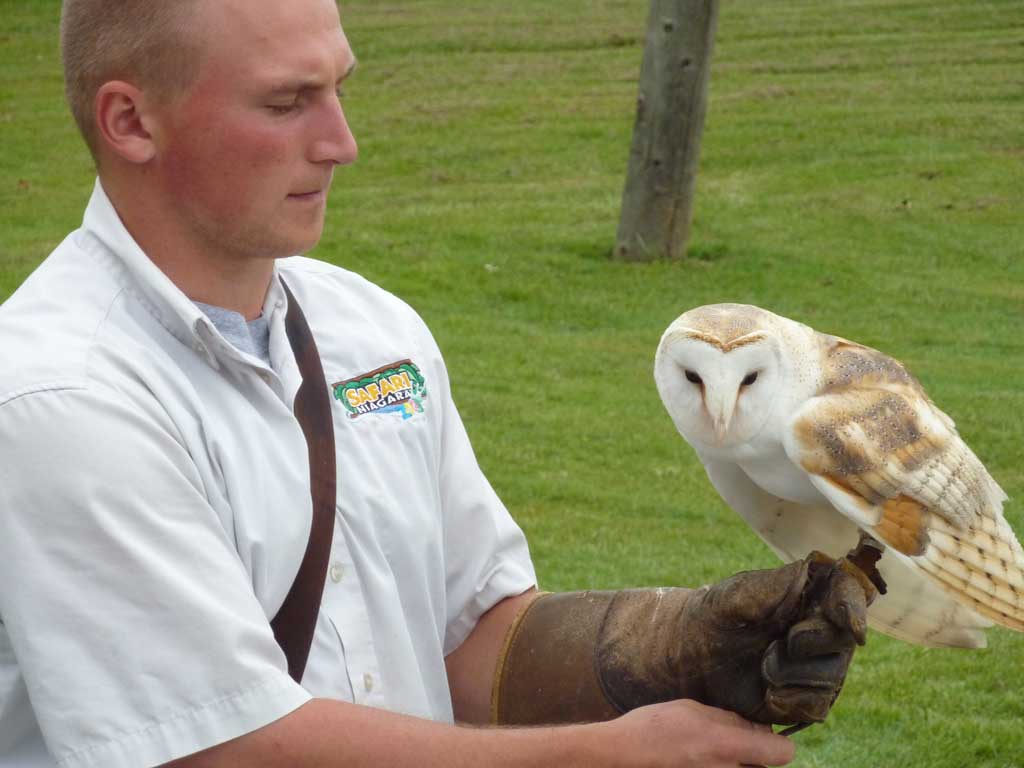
[871,445]
[874,434]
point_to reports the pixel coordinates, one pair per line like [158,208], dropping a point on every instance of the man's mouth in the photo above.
[315,196]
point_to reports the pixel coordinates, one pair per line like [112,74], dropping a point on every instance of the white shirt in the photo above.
[155,507]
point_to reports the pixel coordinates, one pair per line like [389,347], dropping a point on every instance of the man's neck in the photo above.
[218,278]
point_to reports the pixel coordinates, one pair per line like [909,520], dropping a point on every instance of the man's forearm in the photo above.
[329,734]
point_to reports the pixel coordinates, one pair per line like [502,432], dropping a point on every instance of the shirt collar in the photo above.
[154,290]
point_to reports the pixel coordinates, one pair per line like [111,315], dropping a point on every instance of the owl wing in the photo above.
[916,610]
[886,457]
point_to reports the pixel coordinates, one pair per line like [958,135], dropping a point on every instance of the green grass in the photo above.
[861,172]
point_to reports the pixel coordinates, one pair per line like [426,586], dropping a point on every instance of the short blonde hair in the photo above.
[148,43]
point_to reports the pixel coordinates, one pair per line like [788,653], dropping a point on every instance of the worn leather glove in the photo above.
[772,646]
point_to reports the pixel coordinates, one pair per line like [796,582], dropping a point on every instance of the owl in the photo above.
[820,443]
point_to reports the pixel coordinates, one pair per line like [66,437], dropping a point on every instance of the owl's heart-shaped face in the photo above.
[719,391]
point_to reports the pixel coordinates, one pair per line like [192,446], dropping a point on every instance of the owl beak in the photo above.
[721,410]
[721,425]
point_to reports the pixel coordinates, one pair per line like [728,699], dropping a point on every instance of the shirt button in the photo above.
[368,682]
[337,571]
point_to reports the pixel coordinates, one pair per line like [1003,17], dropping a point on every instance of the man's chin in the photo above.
[301,244]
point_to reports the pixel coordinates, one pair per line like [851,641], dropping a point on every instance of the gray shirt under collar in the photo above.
[251,337]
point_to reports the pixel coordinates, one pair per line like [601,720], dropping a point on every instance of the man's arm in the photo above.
[331,734]
[324,734]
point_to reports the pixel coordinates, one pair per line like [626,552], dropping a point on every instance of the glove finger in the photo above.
[790,705]
[756,597]
[817,636]
[825,672]
[846,604]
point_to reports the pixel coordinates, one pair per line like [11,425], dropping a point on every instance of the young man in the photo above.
[155,483]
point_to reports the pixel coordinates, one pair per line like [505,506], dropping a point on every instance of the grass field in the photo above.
[861,172]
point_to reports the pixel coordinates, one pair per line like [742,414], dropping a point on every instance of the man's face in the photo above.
[247,153]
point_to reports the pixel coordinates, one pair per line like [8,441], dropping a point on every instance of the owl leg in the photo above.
[865,556]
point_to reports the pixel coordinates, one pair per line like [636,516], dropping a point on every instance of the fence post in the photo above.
[657,202]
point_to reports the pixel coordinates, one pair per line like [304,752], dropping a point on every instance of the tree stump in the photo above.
[657,202]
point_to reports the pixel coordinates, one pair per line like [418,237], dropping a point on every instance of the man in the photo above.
[155,496]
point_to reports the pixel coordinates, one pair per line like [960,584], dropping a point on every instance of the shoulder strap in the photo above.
[294,623]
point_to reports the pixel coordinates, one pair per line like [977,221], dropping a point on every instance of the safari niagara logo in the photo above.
[395,388]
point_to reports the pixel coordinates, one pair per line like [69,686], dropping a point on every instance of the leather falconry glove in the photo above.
[772,646]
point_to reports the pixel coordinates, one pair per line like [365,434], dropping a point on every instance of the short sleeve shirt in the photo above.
[155,507]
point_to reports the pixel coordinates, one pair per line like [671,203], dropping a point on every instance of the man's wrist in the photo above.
[581,745]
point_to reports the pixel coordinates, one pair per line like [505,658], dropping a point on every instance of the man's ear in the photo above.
[121,121]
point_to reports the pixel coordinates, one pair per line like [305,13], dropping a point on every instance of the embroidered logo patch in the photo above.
[395,388]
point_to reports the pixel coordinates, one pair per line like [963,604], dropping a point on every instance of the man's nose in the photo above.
[334,142]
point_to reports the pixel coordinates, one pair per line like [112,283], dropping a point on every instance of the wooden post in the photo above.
[657,203]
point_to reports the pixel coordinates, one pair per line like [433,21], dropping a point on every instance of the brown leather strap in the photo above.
[294,623]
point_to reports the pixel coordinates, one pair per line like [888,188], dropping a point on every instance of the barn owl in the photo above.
[817,441]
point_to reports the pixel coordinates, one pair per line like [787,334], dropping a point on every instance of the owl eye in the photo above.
[694,378]
[749,379]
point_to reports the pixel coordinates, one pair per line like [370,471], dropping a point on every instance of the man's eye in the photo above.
[282,109]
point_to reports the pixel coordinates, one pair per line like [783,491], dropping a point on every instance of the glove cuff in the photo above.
[640,648]
[545,673]
[588,656]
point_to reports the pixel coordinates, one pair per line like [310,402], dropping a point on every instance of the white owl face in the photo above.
[720,395]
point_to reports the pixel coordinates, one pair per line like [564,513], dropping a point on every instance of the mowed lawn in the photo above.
[861,172]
